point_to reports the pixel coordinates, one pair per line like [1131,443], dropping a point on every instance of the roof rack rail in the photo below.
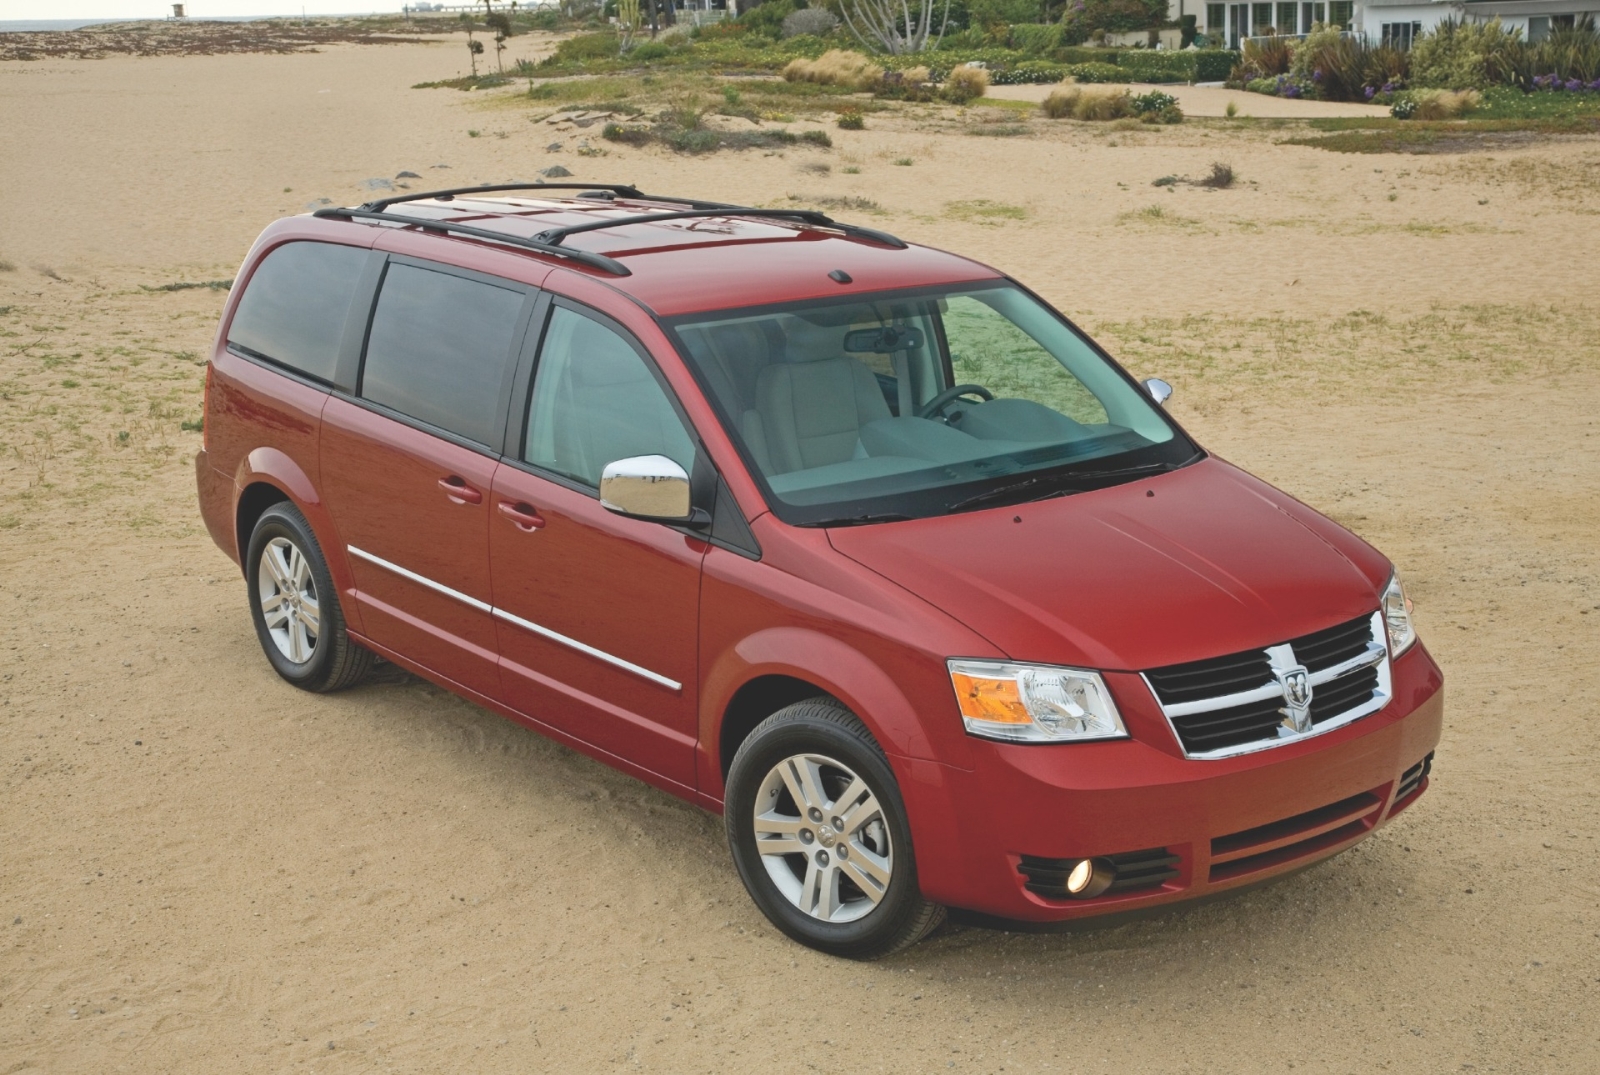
[619,190]
[585,257]
[554,236]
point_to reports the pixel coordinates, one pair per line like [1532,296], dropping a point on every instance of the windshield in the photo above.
[912,404]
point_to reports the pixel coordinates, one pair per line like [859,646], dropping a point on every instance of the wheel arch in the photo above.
[268,476]
[782,665]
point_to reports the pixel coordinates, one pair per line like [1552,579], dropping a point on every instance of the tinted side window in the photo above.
[440,348]
[596,401]
[294,307]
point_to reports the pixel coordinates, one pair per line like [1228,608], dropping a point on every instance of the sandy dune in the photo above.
[203,870]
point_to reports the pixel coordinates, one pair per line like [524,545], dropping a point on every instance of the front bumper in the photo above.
[1023,811]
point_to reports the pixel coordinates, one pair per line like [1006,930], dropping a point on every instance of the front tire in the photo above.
[819,835]
[296,608]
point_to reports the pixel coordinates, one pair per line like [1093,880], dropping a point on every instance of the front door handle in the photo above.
[456,488]
[524,517]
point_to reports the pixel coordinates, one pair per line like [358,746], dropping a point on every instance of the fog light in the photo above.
[1089,878]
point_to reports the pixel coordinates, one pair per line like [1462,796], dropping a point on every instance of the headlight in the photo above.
[1034,703]
[1397,617]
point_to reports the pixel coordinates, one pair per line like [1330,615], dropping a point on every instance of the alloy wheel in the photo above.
[289,603]
[821,835]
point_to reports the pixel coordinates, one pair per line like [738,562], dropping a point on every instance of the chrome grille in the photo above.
[1242,702]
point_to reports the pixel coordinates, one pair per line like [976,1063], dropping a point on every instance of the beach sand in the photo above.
[202,869]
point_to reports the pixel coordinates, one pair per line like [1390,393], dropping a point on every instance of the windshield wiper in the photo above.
[1077,481]
[859,520]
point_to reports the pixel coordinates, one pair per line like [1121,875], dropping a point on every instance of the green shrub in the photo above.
[1213,65]
[1148,65]
[628,136]
[576,50]
[817,138]
[1568,53]
[1034,38]
[1098,72]
[1465,55]
[851,119]
[1083,17]
[985,14]
[1029,73]
[962,41]
[1154,101]
[650,50]
[767,19]
[1084,54]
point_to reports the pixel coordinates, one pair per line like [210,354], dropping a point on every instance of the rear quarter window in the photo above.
[293,309]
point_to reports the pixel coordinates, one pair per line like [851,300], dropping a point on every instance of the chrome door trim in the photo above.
[599,654]
[526,625]
[421,580]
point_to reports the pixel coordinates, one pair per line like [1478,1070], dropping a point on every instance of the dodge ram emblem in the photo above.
[1296,684]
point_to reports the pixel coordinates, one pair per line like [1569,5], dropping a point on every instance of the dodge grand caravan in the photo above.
[858,543]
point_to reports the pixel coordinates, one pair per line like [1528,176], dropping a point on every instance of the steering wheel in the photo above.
[938,403]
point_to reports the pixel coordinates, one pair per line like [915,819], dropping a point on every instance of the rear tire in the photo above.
[295,606]
[819,834]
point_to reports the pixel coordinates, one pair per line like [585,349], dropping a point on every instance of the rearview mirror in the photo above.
[1159,390]
[885,340]
[646,487]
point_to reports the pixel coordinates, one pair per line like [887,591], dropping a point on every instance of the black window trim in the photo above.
[533,297]
[256,358]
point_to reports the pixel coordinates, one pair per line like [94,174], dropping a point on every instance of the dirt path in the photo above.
[203,870]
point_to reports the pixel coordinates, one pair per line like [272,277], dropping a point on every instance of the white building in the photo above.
[1395,22]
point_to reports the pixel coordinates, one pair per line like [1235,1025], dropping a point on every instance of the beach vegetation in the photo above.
[1089,105]
[965,83]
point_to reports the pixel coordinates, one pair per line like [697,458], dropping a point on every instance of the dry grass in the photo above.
[1092,104]
[1215,359]
[96,388]
[965,84]
[984,211]
[1446,104]
[837,67]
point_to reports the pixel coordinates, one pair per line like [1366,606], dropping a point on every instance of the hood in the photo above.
[1197,563]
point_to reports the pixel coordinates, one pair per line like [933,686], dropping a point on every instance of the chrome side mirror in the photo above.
[1159,390]
[647,487]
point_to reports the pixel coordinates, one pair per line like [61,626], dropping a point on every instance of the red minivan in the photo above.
[858,543]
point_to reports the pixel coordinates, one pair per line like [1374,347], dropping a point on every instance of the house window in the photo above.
[1260,18]
[1216,18]
[1401,35]
[1538,29]
[1340,13]
[1286,19]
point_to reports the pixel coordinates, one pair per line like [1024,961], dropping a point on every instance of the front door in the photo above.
[596,614]
[408,465]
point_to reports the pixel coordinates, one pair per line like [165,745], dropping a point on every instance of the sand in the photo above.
[203,870]
[1212,101]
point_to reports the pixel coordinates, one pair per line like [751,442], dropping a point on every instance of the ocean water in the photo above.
[11,26]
